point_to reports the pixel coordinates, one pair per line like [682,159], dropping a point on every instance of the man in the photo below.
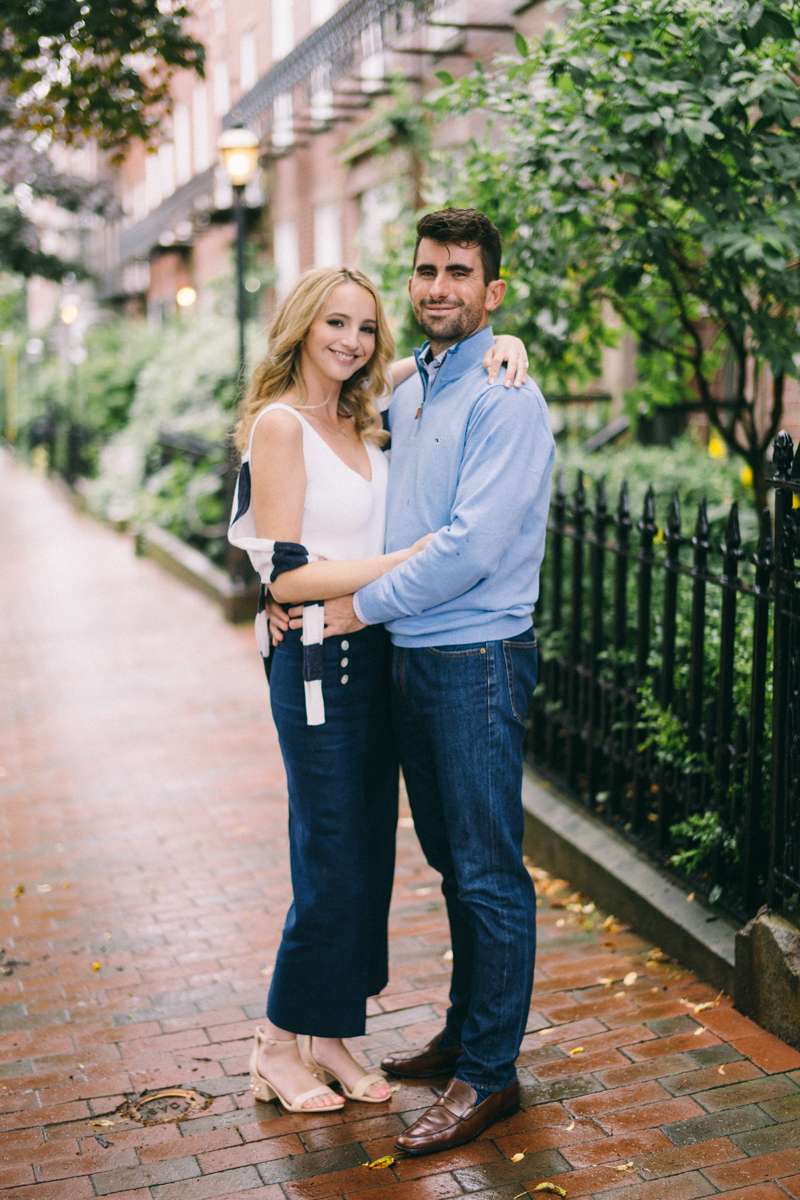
[472,461]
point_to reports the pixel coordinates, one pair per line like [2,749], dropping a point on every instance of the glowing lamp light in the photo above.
[69,314]
[185,297]
[238,150]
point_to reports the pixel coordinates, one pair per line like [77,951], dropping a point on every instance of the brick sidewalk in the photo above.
[143,811]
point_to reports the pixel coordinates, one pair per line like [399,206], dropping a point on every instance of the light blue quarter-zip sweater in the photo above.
[474,467]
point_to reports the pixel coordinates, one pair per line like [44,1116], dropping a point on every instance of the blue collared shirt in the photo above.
[474,467]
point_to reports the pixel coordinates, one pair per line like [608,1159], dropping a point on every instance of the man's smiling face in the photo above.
[450,299]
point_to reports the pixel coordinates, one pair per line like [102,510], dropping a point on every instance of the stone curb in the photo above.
[570,842]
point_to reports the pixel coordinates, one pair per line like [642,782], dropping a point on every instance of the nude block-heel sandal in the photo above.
[263,1090]
[358,1092]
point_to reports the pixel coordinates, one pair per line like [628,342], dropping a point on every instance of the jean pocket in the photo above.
[522,666]
[468,651]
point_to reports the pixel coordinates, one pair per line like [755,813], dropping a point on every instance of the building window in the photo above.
[248,60]
[181,131]
[287,257]
[379,207]
[322,11]
[327,235]
[152,179]
[282,121]
[220,21]
[202,147]
[373,67]
[222,89]
[321,94]
[282,28]
[140,201]
[166,160]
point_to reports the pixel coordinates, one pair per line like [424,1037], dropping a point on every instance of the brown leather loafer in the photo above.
[456,1117]
[432,1059]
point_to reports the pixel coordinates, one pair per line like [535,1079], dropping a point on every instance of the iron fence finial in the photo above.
[782,454]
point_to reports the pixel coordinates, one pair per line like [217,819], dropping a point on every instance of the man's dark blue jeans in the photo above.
[459,715]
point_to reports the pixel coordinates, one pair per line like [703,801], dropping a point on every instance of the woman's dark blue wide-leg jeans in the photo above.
[343,780]
[459,716]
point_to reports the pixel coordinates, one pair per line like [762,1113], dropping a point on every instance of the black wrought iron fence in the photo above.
[669,694]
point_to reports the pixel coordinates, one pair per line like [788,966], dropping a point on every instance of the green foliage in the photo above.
[71,70]
[705,836]
[684,466]
[399,121]
[19,245]
[13,297]
[643,160]
[187,388]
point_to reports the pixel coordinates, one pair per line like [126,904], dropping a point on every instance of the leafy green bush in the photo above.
[684,466]
[702,835]
[187,388]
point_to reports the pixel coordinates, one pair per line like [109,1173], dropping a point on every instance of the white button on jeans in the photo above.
[345,644]
[345,678]
[344,662]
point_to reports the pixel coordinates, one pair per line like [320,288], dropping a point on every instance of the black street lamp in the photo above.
[238,150]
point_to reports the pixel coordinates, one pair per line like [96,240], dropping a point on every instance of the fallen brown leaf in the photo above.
[547,1186]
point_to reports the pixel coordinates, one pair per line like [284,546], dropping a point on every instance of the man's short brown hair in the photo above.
[464,227]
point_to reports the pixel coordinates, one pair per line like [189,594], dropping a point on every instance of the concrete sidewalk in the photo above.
[143,885]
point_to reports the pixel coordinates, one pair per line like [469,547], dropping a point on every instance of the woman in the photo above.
[310,511]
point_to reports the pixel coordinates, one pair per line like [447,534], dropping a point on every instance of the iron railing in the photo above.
[669,694]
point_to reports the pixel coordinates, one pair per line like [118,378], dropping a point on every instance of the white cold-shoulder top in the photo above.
[344,517]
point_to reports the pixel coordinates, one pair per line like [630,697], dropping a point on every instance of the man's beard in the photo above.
[459,326]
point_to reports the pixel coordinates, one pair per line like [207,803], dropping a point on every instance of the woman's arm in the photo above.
[279,488]
[402,369]
[325,580]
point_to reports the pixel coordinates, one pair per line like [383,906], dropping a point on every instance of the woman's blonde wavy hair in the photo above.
[279,370]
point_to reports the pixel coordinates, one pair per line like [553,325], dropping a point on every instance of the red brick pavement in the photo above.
[143,812]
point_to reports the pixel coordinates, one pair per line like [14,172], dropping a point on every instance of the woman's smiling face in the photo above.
[342,337]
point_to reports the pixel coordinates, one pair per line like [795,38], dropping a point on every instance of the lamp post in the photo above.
[238,151]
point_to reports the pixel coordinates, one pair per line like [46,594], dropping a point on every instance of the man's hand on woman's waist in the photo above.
[340,618]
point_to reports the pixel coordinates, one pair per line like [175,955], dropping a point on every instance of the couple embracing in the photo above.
[416,583]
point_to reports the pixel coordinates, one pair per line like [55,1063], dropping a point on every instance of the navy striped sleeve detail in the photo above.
[287,556]
[244,492]
[312,661]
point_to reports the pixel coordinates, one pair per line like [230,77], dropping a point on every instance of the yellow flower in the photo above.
[746,476]
[716,447]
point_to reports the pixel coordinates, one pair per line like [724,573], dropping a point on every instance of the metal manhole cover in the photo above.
[168,1104]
